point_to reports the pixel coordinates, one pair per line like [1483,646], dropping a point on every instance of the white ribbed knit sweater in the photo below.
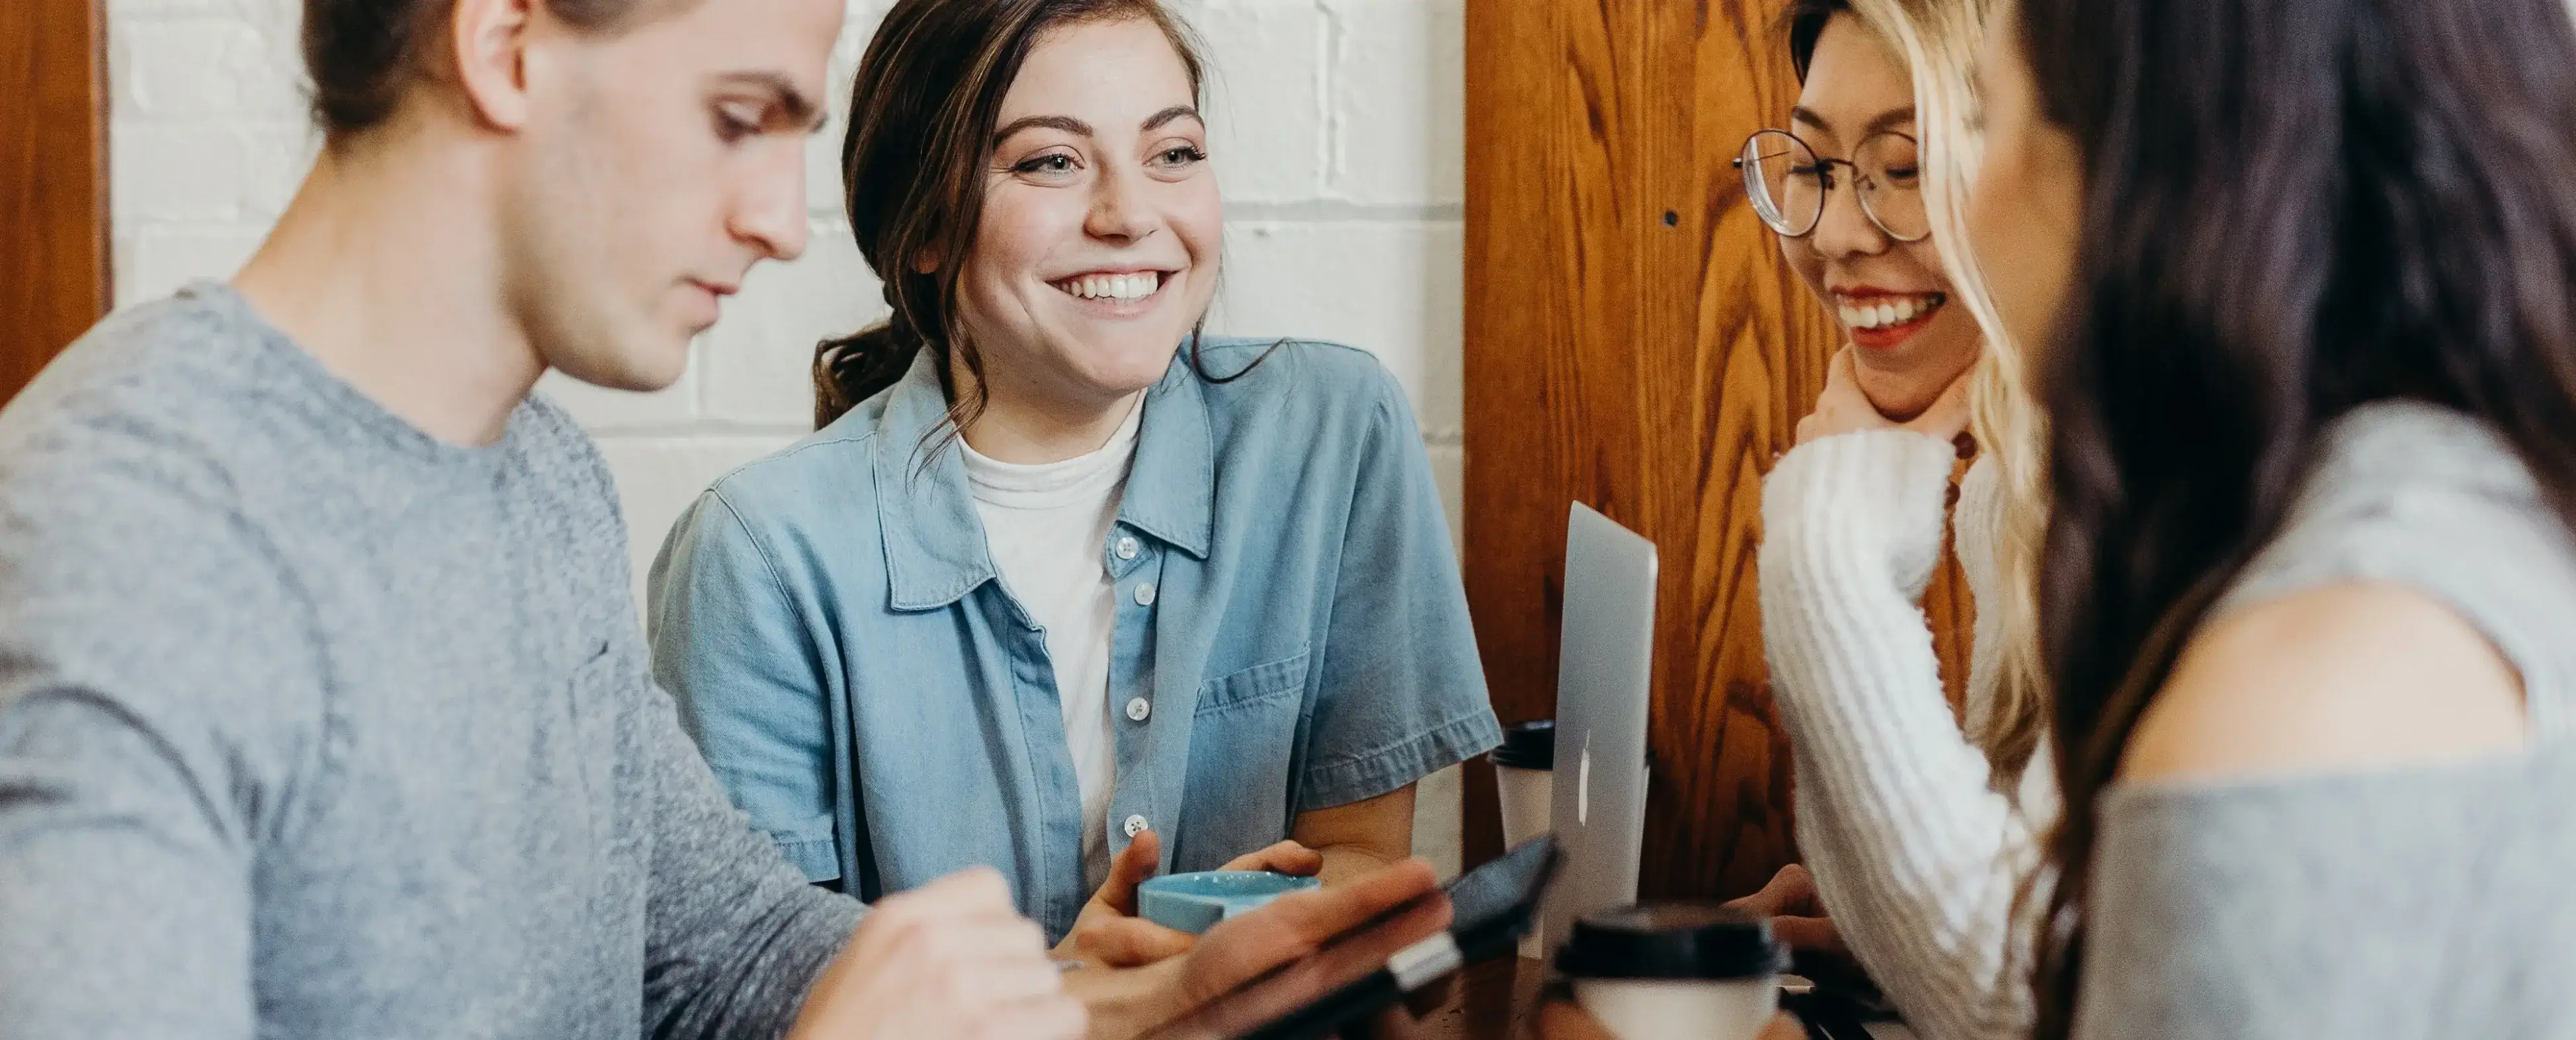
[1915,854]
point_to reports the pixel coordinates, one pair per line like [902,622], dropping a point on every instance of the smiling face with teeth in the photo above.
[1890,297]
[1097,249]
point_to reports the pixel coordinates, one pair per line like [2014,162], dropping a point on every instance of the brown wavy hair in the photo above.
[923,108]
[2292,208]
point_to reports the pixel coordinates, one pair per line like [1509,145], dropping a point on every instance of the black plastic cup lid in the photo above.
[1699,941]
[1528,745]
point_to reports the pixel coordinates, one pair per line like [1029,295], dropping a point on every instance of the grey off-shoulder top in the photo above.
[2421,902]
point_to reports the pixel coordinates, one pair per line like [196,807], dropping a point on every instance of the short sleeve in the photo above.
[736,656]
[735,938]
[160,701]
[1402,693]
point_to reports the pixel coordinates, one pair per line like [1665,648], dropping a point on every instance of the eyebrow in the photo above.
[1886,119]
[1158,119]
[1078,128]
[800,108]
[1068,124]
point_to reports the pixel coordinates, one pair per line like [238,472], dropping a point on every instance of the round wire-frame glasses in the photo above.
[1789,184]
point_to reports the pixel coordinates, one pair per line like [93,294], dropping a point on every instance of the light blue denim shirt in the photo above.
[1289,609]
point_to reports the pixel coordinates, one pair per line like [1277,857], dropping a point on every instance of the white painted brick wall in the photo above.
[1337,130]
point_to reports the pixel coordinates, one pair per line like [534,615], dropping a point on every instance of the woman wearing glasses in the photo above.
[1842,186]
[1917,829]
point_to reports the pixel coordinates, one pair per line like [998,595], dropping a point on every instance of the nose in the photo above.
[1845,230]
[1120,213]
[769,213]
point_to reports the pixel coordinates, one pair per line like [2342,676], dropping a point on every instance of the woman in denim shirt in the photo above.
[1057,570]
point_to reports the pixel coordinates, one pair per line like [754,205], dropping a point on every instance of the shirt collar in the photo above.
[934,543]
[1171,493]
[935,551]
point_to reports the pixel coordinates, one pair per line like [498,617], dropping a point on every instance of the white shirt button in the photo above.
[1135,825]
[1137,709]
[1144,593]
[1127,548]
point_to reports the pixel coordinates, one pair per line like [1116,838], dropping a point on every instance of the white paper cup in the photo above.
[1526,796]
[1525,785]
[1676,971]
[1667,1009]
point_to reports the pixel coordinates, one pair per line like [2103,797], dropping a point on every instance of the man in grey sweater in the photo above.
[323,708]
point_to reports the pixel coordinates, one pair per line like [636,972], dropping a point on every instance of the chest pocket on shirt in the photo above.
[1252,686]
[1243,744]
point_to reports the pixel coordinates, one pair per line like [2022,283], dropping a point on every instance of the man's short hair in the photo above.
[364,54]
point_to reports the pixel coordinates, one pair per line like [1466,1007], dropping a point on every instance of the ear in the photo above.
[490,41]
[925,262]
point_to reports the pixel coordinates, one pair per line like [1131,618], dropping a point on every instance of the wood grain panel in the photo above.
[53,200]
[1635,341]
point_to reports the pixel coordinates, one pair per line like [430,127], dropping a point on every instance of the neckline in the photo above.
[1040,484]
[345,401]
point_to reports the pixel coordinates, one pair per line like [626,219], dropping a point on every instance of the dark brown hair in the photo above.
[923,109]
[2292,208]
[1806,21]
[363,54]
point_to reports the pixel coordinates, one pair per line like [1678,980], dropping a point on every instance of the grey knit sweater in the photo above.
[314,726]
[2398,904]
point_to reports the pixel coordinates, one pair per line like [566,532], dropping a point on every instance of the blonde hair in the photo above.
[1939,41]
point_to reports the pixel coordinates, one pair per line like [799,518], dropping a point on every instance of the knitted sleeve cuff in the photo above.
[1873,499]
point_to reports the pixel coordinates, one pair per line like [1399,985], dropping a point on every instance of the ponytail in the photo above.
[850,369]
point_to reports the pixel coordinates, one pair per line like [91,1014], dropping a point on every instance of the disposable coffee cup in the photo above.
[1522,777]
[1676,971]
[1524,782]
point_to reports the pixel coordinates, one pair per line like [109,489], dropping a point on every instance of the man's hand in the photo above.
[950,959]
[1797,915]
[1109,934]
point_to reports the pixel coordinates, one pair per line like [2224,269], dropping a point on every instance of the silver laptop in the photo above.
[1604,672]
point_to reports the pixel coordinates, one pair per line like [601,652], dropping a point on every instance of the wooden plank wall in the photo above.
[53,181]
[1635,341]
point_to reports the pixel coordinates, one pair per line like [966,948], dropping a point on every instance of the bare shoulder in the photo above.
[2346,677]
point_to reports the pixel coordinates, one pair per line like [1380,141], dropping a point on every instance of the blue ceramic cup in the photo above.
[1194,903]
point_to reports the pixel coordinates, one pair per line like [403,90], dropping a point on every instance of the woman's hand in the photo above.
[1843,408]
[1292,926]
[1133,1001]
[951,958]
[1109,934]
[1797,914]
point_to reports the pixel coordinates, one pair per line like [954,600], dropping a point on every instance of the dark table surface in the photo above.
[1492,1001]
[1498,1000]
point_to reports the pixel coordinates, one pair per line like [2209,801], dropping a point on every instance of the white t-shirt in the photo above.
[1048,527]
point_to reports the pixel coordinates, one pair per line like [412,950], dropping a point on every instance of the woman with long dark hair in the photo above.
[2300,275]
[1061,582]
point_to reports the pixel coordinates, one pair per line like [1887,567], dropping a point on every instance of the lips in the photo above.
[1880,320]
[1120,287]
[714,294]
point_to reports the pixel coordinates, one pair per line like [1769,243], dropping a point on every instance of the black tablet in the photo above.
[1373,967]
